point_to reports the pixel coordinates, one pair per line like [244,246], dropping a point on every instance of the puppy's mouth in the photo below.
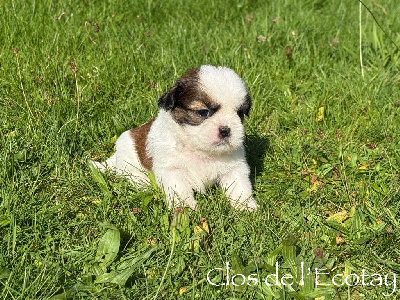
[223,142]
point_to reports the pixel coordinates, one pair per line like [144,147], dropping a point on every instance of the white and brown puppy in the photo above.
[195,141]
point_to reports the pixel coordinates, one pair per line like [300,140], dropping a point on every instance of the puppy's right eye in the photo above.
[204,113]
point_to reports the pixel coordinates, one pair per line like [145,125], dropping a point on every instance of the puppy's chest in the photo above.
[203,169]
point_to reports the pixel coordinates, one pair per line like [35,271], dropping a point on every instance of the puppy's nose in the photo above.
[224,131]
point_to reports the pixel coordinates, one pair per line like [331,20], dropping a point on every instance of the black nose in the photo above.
[224,131]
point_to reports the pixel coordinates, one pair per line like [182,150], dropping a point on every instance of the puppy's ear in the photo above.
[247,105]
[169,100]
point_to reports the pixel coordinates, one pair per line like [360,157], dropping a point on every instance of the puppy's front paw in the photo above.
[190,203]
[176,201]
[250,204]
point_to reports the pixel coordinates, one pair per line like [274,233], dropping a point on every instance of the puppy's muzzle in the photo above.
[224,132]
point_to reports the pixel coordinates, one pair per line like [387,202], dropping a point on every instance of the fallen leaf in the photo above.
[249,19]
[151,241]
[339,239]
[320,113]
[334,42]
[313,179]
[371,146]
[339,217]
[12,133]
[204,224]
[315,184]
[335,171]
[364,167]
[319,252]
[182,290]
[288,51]
[274,20]
[261,39]
[197,229]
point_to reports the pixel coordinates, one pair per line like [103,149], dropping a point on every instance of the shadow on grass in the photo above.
[256,148]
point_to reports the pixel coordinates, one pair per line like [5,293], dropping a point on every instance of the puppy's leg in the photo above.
[238,189]
[125,161]
[177,190]
[103,166]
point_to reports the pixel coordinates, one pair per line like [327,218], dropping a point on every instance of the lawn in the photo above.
[323,144]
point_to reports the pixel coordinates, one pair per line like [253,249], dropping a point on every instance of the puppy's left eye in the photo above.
[204,113]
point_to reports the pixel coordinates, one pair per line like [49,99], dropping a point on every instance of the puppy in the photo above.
[195,141]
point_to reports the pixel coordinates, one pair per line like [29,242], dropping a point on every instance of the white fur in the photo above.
[223,85]
[125,161]
[188,158]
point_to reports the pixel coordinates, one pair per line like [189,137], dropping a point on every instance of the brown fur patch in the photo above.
[191,98]
[196,105]
[139,135]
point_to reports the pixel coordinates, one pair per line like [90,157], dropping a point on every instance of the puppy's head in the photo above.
[209,103]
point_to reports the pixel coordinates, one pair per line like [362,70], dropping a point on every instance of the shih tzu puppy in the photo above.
[195,141]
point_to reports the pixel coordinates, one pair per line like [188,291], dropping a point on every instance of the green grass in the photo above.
[323,146]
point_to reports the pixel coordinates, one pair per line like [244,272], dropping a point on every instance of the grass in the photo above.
[323,146]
